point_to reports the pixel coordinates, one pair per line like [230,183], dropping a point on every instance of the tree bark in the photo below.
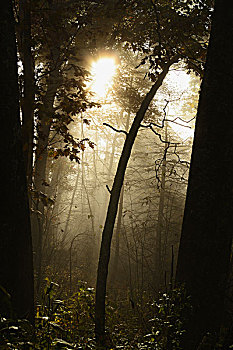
[16,271]
[205,247]
[24,44]
[113,205]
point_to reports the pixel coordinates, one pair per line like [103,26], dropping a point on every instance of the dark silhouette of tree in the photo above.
[163,43]
[205,246]
[24,41]
[16,274]
[113,205]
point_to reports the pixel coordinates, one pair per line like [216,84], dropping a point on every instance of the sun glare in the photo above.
[179,81]
[103,71]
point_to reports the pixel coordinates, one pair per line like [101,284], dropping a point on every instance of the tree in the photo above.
[205,246]
[24,41]
[60,96]
[16,274]
[113,204]
[163,43]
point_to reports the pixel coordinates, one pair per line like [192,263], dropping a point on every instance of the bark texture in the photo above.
[205,246]
[16,272]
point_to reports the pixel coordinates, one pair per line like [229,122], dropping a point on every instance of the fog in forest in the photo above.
[148,225]
[116,177]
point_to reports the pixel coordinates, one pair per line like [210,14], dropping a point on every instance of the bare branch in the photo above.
[108,189]
[117,130]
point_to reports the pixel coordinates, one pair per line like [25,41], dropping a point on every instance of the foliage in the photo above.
[65,323]
[160,325]
[168,323]
[68,323]
[59,324]
[167,29]
[16,334]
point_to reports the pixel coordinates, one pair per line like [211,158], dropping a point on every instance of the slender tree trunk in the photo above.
[91,236]
[16,272]
[117,243]
[205,247]
[160,224]
[71,204]
[25,43]
[119,218]
[113,205]
[109,177]
[45,115]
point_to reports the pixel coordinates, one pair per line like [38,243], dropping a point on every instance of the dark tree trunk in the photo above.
[115,263]
[16,272]
[102,272]
[205,246]
[24,44]
[45,116]
[118,230]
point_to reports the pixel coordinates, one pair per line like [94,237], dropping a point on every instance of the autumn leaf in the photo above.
[91,144]
[82,146]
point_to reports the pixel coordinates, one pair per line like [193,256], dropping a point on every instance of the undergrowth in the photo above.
[68,323]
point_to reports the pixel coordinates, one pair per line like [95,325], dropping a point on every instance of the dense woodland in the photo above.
[116,174]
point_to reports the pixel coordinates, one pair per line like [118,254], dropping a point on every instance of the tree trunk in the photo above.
[71,204]
[205,247]
[160,225]
[112,209]
[24,40]
[16,272]
[45,116]
[109,176]
[115,263]
[119,219]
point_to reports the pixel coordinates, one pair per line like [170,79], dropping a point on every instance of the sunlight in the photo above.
[183,130]
[178,79]
[102,143]
[179,82]
[103,71]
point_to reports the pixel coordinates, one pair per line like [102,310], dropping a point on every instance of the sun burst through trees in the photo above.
[103,71]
